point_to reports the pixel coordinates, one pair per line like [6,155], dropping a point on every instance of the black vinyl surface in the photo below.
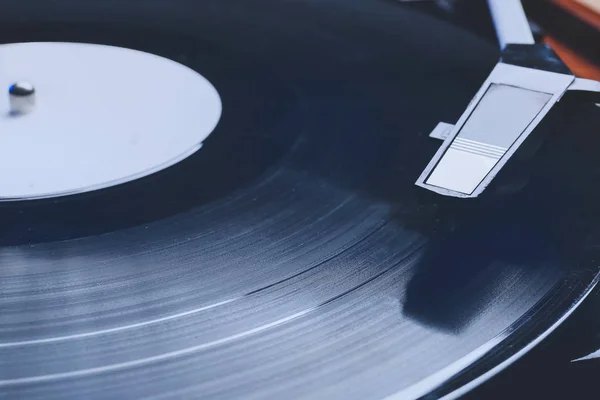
[292,256]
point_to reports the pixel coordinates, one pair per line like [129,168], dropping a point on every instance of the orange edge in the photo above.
[578,64]
[580,11]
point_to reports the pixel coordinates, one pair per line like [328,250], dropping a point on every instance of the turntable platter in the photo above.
[292,256]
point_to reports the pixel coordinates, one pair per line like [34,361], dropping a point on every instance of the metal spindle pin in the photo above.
[21,98]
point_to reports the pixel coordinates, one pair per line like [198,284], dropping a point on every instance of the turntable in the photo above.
[286,199]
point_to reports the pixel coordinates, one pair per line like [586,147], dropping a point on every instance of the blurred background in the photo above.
[571,27]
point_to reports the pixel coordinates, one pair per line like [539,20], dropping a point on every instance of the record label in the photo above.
[101,116]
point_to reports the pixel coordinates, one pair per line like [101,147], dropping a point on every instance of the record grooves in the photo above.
[292,256]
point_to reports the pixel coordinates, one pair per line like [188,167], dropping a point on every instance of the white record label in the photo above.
[102,116]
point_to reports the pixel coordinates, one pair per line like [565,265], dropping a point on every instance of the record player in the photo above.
[295,199]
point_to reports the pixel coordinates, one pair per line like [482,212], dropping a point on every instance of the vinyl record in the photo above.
[292,255]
